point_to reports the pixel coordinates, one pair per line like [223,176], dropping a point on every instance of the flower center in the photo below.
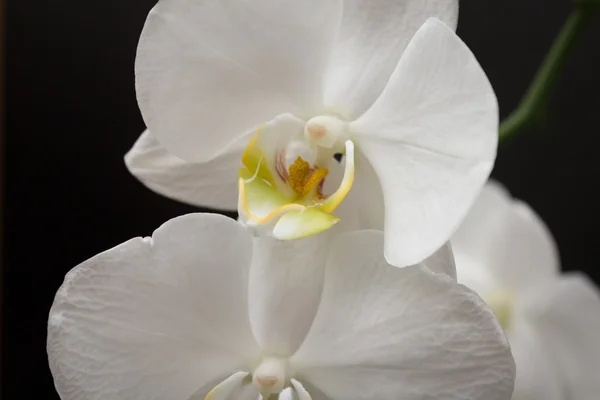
[285,166]
[270,377]
[501,302]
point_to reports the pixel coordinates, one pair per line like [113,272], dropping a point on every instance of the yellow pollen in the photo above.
[314,179]
[298,173]
[302,180]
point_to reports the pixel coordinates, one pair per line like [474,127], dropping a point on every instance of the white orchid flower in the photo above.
[203,310]
[506,253]
[284,85]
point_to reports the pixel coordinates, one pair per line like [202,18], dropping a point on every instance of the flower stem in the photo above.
[534,101]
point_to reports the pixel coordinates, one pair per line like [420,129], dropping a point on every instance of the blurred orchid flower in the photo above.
[204,310]
[506,253]
[284,86]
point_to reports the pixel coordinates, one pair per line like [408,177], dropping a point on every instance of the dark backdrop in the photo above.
[72,115]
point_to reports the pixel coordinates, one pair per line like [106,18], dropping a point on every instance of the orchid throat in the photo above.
[286,165]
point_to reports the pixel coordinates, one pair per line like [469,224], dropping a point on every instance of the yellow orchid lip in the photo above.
[289,201]
[278,212]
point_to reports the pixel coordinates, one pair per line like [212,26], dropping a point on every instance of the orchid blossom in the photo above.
[204,310]
[506,253]
[279,88]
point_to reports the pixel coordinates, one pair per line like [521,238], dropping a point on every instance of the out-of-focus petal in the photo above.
[506,240]
[538,376]
[567,313]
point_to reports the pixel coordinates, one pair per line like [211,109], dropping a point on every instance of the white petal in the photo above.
[212,184]
[225,389]
[288,394]
[400,333]
[286,280]
[431,138]
[300,391]
[155,318]
[567,313]
[505,239]
[208,71]
[373,36]
[538,375]
[245,391]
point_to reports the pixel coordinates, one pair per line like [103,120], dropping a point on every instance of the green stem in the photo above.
[534,100]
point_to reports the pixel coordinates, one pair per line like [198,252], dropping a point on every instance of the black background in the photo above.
[71,115]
